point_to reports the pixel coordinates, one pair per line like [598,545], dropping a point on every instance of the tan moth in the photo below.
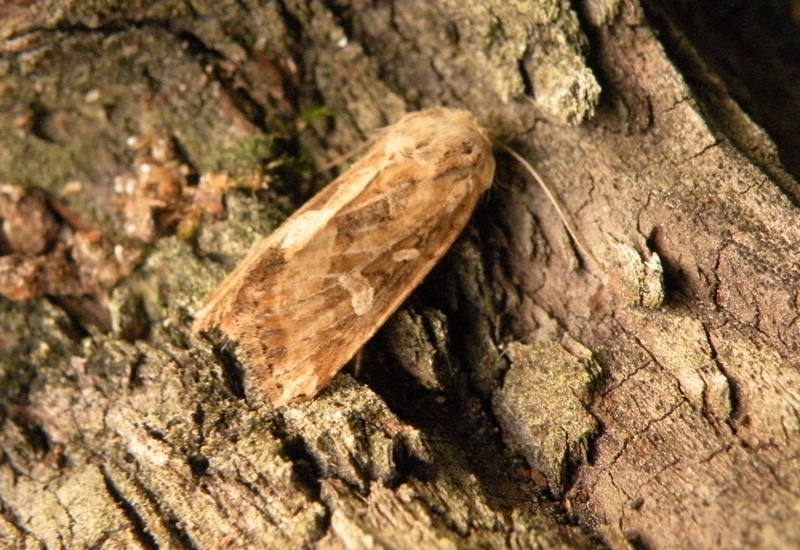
[307,297]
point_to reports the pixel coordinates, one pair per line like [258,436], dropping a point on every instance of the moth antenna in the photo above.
[551,196]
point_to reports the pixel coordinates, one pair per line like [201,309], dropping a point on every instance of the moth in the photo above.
[308,296]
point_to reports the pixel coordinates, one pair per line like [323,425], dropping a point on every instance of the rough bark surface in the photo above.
[526,396]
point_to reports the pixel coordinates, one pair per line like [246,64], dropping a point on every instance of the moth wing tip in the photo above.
[280,394]
[209,317]
[277,396]
[201,323]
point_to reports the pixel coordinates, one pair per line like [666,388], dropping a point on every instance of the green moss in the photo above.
[242,158]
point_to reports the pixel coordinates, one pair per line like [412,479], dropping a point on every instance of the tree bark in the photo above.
[528,395]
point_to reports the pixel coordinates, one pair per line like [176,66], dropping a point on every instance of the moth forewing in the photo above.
[308,296]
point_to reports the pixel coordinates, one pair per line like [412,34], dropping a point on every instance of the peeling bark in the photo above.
[524,397]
